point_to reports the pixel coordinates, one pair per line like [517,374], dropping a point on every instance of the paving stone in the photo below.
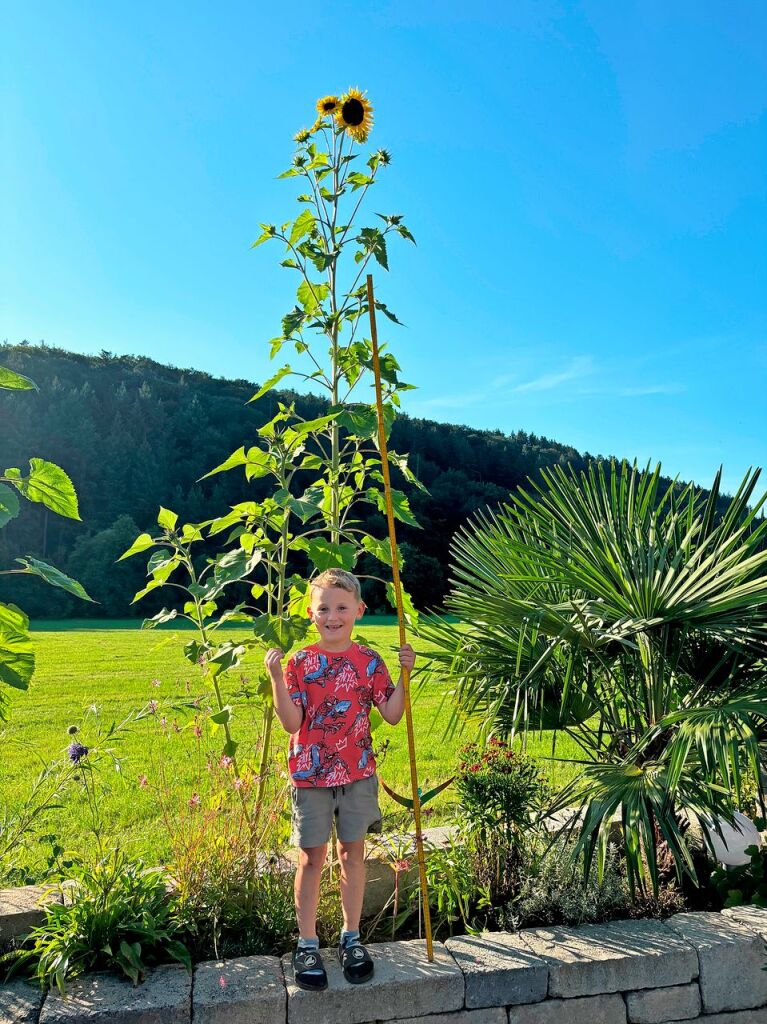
[489,1015]
[658,1005]
[754,918]
[739,1017]
[499,969]
[606,1009]
[21,909]
[246,990]
[731,958]
[164,998]
[405,984]
[616,957]
[20,1002]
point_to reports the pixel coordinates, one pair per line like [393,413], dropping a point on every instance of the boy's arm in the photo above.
[393,709]
[290,715]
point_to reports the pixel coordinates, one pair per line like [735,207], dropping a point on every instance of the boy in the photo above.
[324,702]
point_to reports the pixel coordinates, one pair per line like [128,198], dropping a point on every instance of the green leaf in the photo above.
[280,631]
[11,381]
[9,505]
[47,484]
[408,608]
[167,519]
[17,659]
[360,420]
[153,584]
[401,462]
[54,577]
[400,506]
[270,383]
[388,313]
[310,296]
[237,458]
[380,549]
[157,620]
[373,241]
[268,232]
[161,564]
[326,555]
[142,543]
[292,322]
[302,225]
[223,716]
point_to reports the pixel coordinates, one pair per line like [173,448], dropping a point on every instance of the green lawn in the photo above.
[111,672]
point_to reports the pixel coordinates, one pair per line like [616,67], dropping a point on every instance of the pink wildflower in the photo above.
[156,682]
[226,761]
[401,865]
[143,781]
[194,800]
[222,981]
[197,731]
[153,705]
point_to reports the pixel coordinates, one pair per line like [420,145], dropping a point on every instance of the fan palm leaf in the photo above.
[633,613]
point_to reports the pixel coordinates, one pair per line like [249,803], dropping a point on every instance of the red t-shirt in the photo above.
[333,747]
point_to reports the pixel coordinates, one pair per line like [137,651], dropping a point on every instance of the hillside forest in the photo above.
[134,434]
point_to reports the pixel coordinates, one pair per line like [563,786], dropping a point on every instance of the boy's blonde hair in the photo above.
[338,578]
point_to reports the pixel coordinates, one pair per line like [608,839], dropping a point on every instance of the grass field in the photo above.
[88,674]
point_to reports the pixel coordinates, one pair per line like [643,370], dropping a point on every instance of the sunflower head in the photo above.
[303,136]
[355,115]
[327,105]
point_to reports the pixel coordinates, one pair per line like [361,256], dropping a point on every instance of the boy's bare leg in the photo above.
[352,859]
[311,860]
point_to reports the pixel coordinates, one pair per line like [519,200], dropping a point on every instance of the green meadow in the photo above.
[90,674]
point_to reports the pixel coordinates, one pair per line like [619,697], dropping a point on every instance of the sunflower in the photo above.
[304,135]
[327,105]
[355,115]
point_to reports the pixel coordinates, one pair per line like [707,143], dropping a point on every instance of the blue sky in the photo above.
[586,182]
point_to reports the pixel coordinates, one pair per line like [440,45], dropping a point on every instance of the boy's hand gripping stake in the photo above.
[401,618]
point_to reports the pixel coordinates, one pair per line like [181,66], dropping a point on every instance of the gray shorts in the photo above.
[354,808]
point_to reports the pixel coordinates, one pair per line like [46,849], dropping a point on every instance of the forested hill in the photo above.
[134,434]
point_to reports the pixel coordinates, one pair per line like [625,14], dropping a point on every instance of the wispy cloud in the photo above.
[580,367]
[652,389]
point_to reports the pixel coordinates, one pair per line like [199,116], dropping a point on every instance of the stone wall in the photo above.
[692,967]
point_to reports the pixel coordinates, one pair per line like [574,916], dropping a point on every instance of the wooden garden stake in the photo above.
[401,619]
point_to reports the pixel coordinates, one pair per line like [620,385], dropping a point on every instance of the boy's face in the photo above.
[334,611]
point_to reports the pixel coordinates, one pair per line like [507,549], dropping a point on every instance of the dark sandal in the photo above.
[356,962]
[304,961]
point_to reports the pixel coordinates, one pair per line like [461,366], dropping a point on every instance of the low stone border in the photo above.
[706,967]
[22,908]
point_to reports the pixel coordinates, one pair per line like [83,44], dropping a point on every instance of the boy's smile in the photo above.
[334,611]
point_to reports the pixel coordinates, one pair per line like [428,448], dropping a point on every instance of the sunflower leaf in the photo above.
[303,225]
[12,381]
[374,242]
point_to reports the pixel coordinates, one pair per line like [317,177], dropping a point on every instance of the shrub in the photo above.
[113,914]
[746,883]
[501,795]
[554,891]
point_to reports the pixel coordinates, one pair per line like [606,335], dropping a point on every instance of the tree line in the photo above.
[134,434]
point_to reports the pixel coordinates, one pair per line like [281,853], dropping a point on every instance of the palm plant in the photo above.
[633,618]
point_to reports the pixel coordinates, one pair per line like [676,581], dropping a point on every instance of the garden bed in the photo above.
[693,966]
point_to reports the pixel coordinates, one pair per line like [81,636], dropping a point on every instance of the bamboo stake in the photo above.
[401,619]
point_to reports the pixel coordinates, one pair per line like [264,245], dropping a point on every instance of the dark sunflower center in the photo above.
[328,106]
[353,112]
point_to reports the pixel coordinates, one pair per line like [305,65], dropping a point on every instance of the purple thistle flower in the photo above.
[77,752]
